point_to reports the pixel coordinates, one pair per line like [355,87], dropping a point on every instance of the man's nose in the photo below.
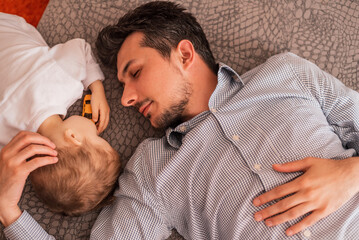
[129,96]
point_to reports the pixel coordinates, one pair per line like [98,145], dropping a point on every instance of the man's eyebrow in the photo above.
[125,69]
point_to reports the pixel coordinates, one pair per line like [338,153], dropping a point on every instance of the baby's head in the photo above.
[83,179]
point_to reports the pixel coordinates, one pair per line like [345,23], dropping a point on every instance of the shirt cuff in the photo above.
[25,227]
[93,73]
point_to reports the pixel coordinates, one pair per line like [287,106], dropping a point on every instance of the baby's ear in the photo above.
[70,136]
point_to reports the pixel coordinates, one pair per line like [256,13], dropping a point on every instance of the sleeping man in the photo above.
[266,155]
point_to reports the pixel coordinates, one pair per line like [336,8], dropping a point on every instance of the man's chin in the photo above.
[159,127]
[154,123]
[158,124]
[170,124]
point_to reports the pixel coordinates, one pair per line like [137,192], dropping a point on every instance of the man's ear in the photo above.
[187,52]
[71,137]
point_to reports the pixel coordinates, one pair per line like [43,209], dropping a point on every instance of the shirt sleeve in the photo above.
[25,227]
[137,212]
[75,57]
[93,70]
[339,103]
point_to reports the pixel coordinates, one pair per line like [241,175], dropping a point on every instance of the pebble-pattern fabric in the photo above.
[242,34]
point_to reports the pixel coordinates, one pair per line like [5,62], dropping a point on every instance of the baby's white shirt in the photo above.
[36,81]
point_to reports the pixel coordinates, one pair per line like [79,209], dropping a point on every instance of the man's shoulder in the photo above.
[285,63]
[279,68]
[151,143]
[148,155]
[274,64]
[288,58]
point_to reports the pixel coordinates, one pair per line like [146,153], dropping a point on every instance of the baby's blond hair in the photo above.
[79,181]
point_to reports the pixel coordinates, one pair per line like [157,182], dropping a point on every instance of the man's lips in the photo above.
[145,108]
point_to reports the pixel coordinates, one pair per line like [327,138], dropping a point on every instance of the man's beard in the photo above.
[173,116]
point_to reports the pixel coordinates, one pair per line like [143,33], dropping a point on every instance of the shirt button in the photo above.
[257,167]
[213,110]
[307,233]
[183,128]
[235,137]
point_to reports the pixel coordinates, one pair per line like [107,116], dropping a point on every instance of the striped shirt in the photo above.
[203,175]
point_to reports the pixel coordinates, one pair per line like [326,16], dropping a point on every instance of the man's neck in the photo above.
[204,83]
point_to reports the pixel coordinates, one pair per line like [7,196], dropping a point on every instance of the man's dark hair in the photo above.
[164,25]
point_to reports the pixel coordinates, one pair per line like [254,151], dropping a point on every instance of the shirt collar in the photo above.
[175,135]
[226,75]
[226,70]
[228,85]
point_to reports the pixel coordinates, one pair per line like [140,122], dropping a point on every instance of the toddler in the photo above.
[37,86]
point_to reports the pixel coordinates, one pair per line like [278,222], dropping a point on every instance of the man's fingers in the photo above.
[279,207]
[276,193]
[283,190]
[33,138]
[40,162]
[24,139]
[33,150]
[306,222]
[289,214]
[295,166]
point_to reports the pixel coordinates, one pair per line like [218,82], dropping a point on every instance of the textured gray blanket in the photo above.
[243,34]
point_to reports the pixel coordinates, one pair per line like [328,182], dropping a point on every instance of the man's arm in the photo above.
[17,160]
[326,184]
[137,212]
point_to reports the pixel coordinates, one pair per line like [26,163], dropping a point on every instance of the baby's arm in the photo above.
[76,58]
[94,78]
[99,105]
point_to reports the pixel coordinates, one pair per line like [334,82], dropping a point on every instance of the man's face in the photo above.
[156,86]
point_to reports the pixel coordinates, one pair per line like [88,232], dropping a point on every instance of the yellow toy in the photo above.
[86,107]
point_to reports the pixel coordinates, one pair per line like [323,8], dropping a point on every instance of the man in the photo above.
[211,176]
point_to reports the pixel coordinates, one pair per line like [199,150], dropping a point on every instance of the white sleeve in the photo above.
[93,70]
[76,59]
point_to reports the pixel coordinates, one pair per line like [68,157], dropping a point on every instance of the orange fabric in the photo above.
[31,10]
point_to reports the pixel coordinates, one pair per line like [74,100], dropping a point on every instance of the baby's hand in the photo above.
[99,105]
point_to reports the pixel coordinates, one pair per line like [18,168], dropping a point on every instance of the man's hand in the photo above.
[15,168]
[324,187]
[99,106]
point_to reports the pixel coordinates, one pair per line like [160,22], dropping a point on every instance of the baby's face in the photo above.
[84,128]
